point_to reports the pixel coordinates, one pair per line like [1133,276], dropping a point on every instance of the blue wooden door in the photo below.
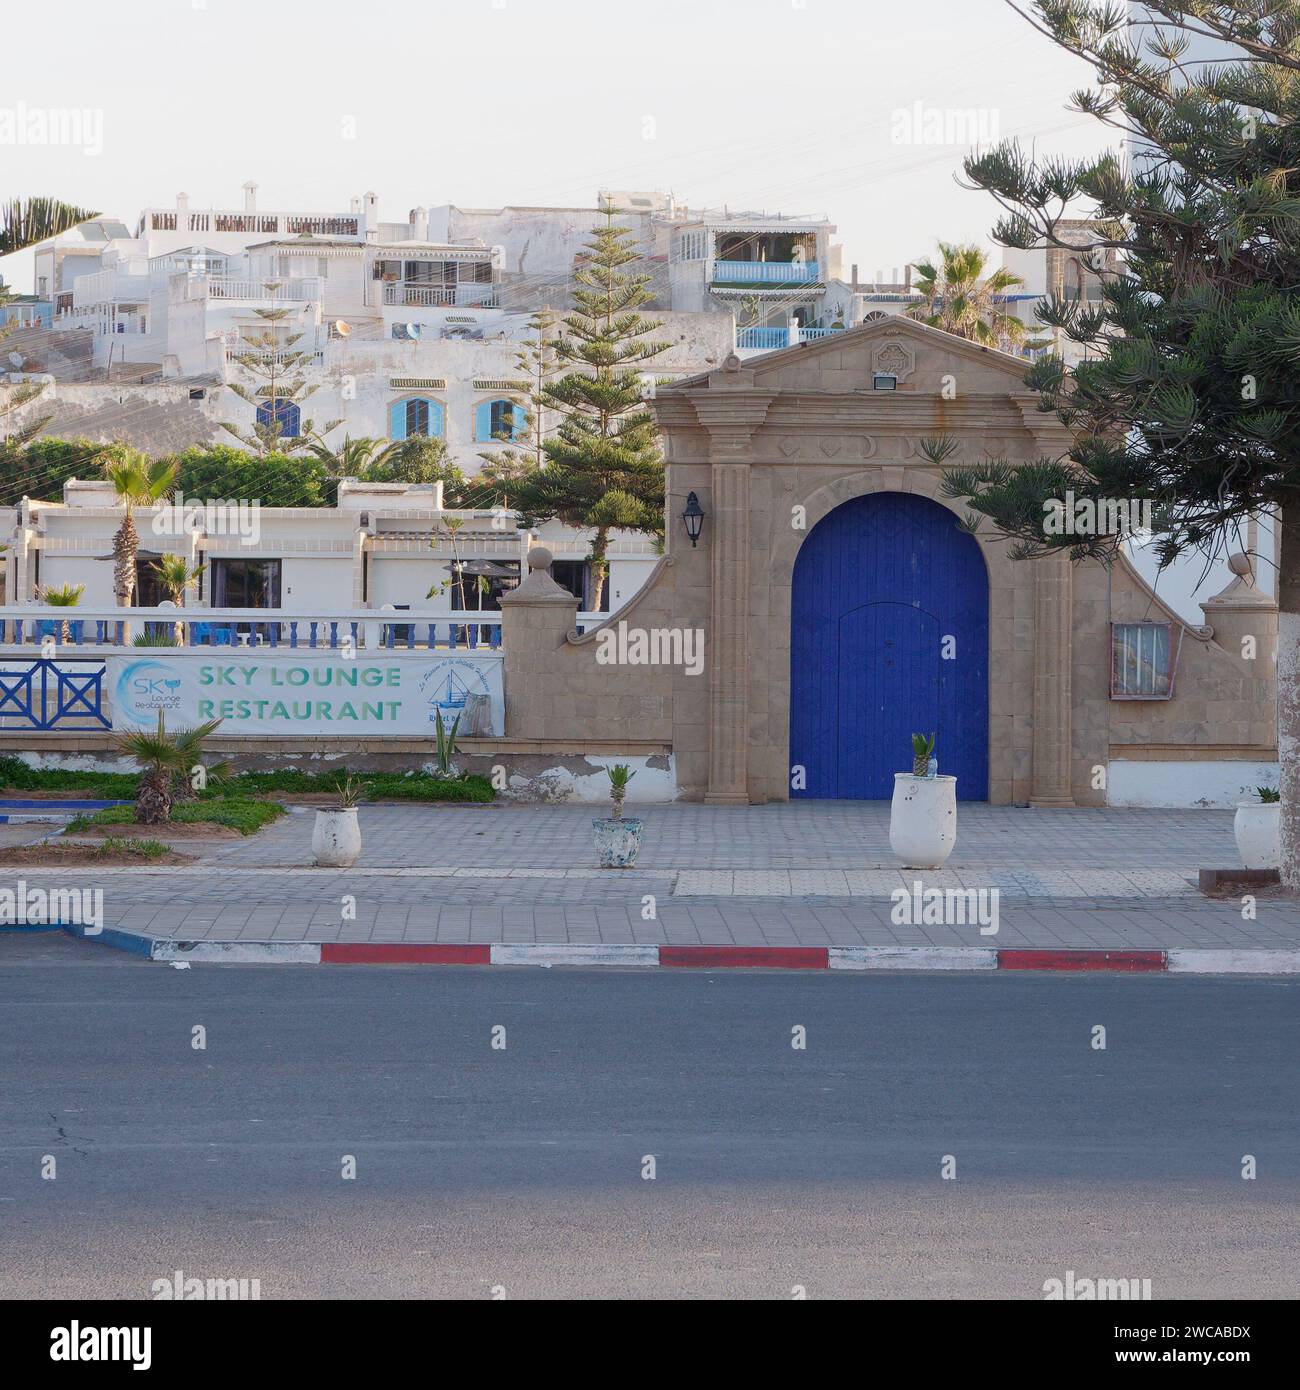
[889,637]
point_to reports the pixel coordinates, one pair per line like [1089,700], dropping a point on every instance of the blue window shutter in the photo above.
[483,422]
[520,428]
[437,420]
[397,420]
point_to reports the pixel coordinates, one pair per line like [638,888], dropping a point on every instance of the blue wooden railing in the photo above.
[765,272]
[43,694]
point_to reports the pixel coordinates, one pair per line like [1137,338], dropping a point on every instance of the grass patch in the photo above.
[380,786]
[244,816]
[15,775]
[115,846]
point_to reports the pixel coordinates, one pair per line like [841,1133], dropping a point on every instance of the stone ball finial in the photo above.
[732,363]
[1241,564]
[539,558]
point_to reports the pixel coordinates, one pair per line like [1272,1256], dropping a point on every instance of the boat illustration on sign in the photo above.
[449,695]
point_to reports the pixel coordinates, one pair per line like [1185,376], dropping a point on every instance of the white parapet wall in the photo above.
[584,779]
[1215,785]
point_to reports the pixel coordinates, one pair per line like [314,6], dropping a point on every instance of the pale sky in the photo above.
[782,105]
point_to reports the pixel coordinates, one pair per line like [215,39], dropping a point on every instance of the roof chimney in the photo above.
[250,196]
[182,201]
[420,224]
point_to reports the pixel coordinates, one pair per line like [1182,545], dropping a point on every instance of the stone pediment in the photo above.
[918,355]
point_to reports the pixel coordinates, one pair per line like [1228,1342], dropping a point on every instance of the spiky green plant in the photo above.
[446,745]
[1268,795]
[351,793]
[922,751]
[619,776]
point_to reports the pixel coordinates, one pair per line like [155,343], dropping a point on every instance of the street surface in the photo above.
[521,1168]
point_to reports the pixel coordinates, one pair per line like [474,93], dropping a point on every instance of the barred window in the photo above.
[1143,661]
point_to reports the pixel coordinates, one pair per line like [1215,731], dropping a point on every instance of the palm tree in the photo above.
[961,300]
[138,481]
[353,457]
[161,757]
[175,576]
[65,596]
[25,221]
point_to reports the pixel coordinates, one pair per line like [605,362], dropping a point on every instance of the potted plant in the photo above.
[618,841]
[923,815]
[336,838]
[1255,828]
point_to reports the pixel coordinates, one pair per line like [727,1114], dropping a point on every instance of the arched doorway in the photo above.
[889,636]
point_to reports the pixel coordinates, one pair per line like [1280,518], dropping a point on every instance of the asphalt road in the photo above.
[522,1168]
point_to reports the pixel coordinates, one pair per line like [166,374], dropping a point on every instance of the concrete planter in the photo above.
[923,819]
[617,842]
[336,839]
[1256,828]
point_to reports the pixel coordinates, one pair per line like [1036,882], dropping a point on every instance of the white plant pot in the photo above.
[336,839]
[923,820]
[1256,827]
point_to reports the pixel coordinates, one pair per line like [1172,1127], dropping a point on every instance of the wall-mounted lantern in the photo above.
[693,518]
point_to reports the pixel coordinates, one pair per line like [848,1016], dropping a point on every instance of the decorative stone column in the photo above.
[729,638]
[1053,650]
[536,617]
[730,410]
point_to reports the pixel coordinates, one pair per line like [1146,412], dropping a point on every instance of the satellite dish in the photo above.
[342,328]
[16,360]
[412,330]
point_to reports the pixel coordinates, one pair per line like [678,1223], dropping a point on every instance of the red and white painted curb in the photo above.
[1179,962]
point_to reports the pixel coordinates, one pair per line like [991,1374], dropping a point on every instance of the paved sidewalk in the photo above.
[804,874]
[799,835]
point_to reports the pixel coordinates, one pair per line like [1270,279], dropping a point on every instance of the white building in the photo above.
[383,545]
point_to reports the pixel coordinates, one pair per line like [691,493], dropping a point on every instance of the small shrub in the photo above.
[143,849]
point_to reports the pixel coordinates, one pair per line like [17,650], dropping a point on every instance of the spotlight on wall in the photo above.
[693,518]
[884,381]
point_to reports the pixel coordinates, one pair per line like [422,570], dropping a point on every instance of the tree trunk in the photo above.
[153,802]
[1288,692]
[125,545]
[599,567]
